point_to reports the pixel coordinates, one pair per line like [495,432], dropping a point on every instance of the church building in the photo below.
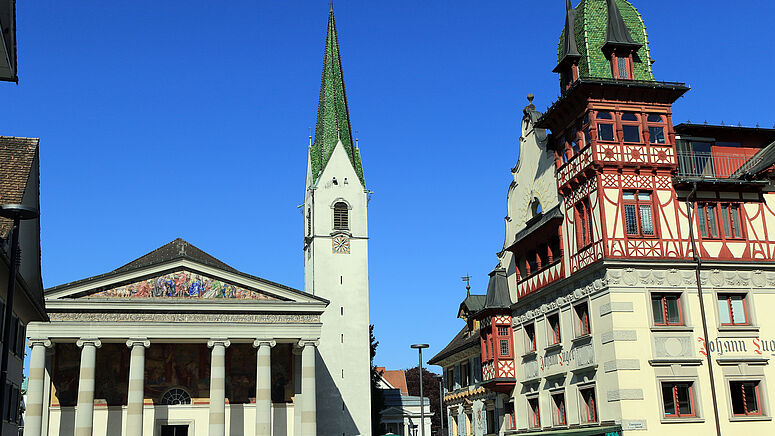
[178,343]
[631,291]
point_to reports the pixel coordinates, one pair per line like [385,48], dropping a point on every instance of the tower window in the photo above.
[630,127]
[341,218]
[656,129]
[605,131]
[621,65]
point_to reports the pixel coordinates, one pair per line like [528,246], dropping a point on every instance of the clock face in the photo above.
[340,244]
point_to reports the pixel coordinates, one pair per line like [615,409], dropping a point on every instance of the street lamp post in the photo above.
[419,348]
[17,213]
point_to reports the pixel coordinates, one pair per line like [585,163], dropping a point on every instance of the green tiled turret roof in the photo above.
[333,117]
[592,33]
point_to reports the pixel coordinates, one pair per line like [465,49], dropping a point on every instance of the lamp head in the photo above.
[20,211]
[420,346]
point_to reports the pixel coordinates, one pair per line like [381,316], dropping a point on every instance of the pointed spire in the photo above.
[333,123]
[617,32]
[570,51]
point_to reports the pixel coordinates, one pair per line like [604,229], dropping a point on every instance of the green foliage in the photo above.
[377,398]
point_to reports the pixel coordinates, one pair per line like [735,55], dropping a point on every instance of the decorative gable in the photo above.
[183,284]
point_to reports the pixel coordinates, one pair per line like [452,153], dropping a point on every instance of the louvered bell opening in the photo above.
[340,216]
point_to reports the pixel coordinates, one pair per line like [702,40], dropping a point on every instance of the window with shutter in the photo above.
[341,219]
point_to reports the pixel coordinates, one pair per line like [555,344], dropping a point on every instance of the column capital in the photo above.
[218,341]
[136,342]
[306,343]
[92,341]
[264,342]
[39,342]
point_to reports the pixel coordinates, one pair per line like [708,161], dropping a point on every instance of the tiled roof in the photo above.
[333,122]
[461,341]
[592,33]
[177,249]
[16,158]
[397,379]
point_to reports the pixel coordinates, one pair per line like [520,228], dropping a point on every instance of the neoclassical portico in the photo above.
[175,342]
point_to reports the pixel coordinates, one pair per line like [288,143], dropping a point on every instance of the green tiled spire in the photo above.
[333,117]
[591,28]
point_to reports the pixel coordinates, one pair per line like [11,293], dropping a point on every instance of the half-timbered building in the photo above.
[638,255]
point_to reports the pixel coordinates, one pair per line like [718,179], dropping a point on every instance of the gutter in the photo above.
[697,271]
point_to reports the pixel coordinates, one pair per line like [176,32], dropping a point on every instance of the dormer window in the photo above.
[621,67]
[341,216]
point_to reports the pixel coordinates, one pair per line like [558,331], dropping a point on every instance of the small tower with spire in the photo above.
[568,67]
[336,255]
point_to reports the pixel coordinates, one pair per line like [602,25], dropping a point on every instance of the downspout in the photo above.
[697,271]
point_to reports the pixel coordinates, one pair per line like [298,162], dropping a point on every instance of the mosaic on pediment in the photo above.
[182,284]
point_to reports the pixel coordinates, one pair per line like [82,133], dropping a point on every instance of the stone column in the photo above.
[136,389]
[218,386]
[33,418]
[264,386]
[84,412]
[309,397]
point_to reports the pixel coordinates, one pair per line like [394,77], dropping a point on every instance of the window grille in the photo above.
[175,396]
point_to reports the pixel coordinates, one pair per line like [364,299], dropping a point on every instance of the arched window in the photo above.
[341,218]
[175,396]
[535,206]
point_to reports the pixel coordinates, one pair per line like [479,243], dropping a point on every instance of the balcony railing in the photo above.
[709,165]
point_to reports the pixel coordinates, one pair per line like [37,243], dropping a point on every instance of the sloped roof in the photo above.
[175,250]
[472,304]
[498,291]
[16,158]
[397,379]
[460,342]
[333,123]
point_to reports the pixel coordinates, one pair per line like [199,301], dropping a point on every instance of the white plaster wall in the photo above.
[343,395]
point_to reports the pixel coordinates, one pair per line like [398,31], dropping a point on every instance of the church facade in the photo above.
[151,348]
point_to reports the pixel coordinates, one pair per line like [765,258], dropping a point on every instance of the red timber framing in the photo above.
[498,368]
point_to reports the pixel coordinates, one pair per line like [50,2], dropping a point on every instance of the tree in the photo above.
[431,384]
[377,398]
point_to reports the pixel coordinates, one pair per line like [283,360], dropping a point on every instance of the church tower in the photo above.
[336,256]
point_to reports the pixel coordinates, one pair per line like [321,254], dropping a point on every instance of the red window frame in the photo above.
[590,408]
[728,298]
[615,66]
[583,318]
[535,412]
[742,384]
[583,216]
[554,328]
[663,304]
[607,120]
[725,215]
[558,409]
[530,337]
[638,204]
[674,386]
[662,123]
[510,418]
[637,123]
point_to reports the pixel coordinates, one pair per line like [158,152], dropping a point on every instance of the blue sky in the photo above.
[190,119]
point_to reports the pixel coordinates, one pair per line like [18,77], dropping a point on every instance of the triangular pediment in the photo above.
[178,273]
[183,284]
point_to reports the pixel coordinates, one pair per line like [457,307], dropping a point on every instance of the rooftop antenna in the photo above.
[467,278]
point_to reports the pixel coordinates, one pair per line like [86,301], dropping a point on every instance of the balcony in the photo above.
[710,165]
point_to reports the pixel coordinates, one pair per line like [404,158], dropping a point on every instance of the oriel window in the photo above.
[605,130]
[631,127]
[656,124]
